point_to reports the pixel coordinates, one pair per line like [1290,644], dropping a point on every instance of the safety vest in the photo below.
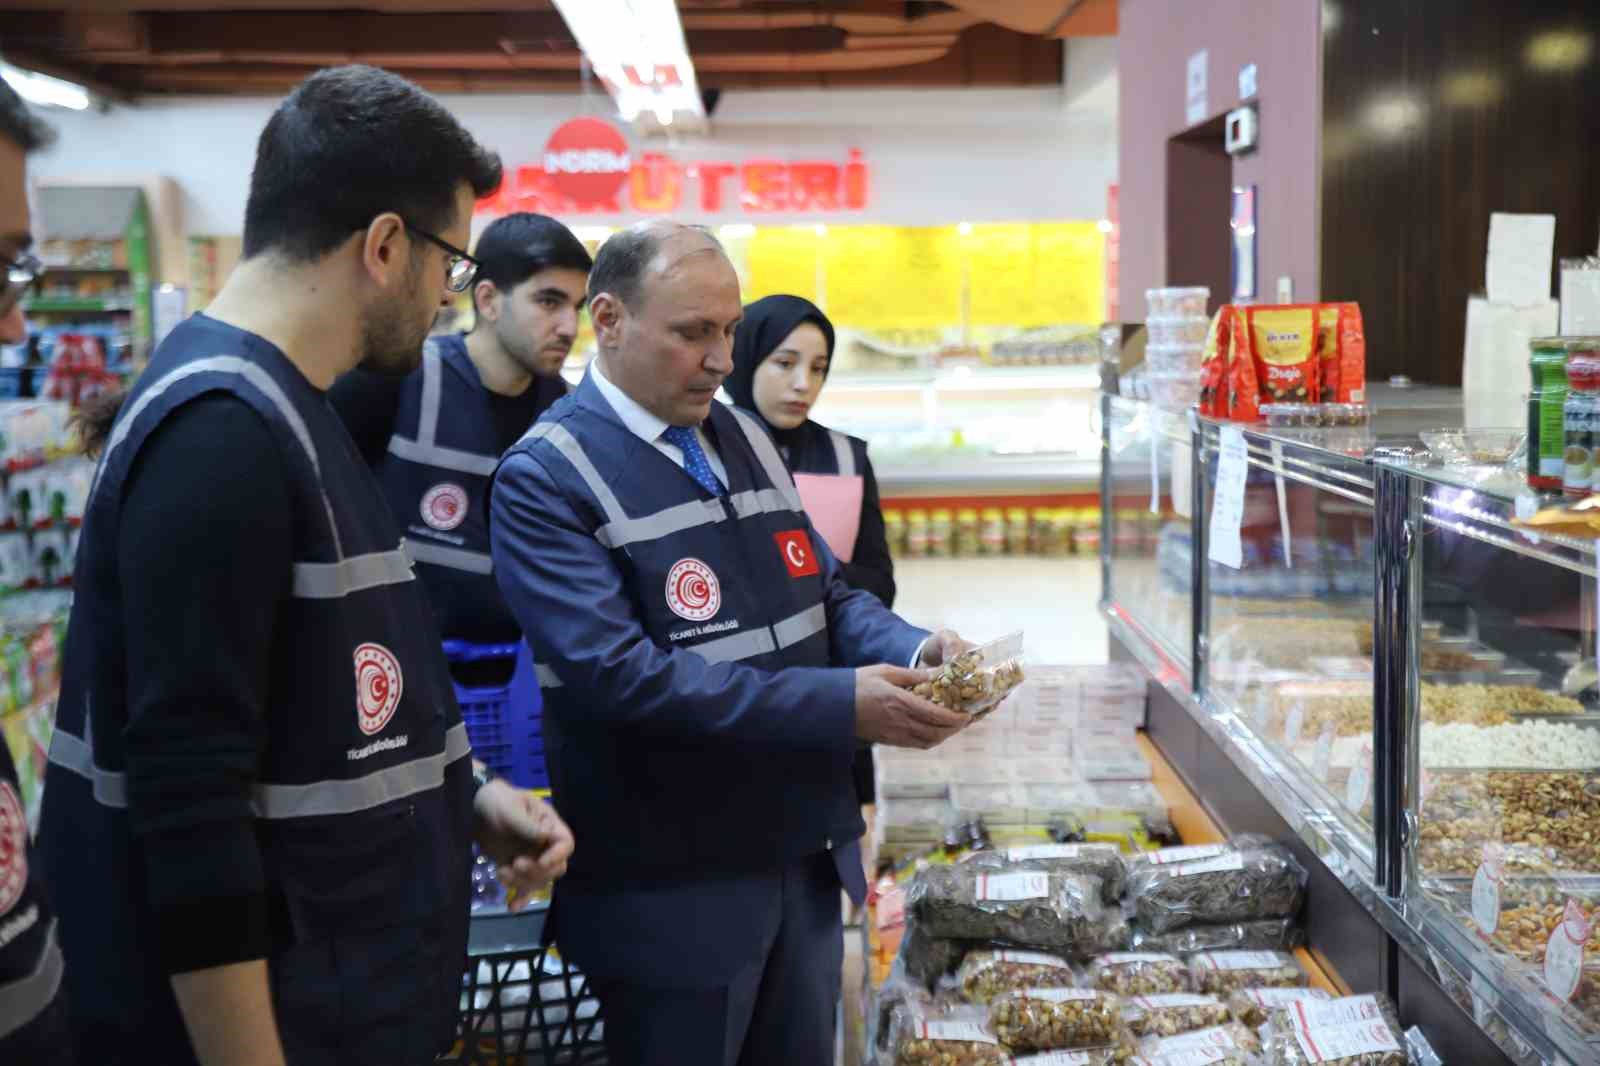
[363,801]
[730,580]
[30,956]
[436,477]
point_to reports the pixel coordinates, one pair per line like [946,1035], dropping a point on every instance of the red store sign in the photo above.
[587,168]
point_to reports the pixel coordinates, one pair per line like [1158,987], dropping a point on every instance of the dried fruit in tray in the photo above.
[1251,1006]
[1096,860]
[1268,934]
[977,680]
[1139,973]
[1239,885]
[1173,1013]
[1045,1019]
[1221,972]
[1063,912]
[987,974]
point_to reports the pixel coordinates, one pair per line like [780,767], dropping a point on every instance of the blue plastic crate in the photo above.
[504,723]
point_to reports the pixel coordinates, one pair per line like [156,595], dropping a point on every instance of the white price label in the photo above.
[1055,851]
[1227,499]
[1269,998]
[1346,1041]
[1174,999]
[1005,888]
[1062,1058]
[1294,723]
[1322,755]
[1129,958]
[1358,786]
[1184,854]
[1033,958]
[1215,1037]
[1182,468]
[1059,995]
[1313,1015]
[1242,960]
[968,1032]
[1195,1056]
[1221,864]
[1563,952]
[1486,898]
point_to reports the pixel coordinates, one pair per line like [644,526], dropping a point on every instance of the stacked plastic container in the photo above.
[1177,329]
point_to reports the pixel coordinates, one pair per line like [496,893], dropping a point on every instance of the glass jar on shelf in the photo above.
[1041,526]
[992,532]
[917,534]
[894,531]
[966,542]
[941,530]
[1017,531]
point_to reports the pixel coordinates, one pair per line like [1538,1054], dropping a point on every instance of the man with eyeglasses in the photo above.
[259,803]
[435,436]
[33,1025]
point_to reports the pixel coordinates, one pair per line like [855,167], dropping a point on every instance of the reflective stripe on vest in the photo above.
[455,558]
[771,461]
[843,454]
[221,364]
[286,801]
[330,581]
[619,530]
[424,450]
[23,1000]
[546,675]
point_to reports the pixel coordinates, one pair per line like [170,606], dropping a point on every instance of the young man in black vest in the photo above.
[259,805]
[435,436]
[706,676]
[33,1025]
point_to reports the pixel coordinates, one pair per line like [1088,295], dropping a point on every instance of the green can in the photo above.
[1546,400]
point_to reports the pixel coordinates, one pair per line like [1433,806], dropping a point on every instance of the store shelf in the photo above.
[979,475]
[969,379]
[45,307]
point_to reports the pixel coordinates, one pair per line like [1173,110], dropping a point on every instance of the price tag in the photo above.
[1294,723]
[1269,998]
[1062,1058]
[1214,1037]
[1336,1042]
[1312,1015]
[1185,854]
[1227,502]
[970,1032]
[1486,890]
[1563,953]
[1174,999]
[1033,958]
[1055,851]
[1194,1056]
[1221,864]
[1128,958]
[1005,888]
[1059,995]
[1241,960]
[1322,755]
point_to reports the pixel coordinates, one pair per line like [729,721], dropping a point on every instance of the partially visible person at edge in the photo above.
[781,356]
[259,804]
[33,1024]
[706,675]
[434,436]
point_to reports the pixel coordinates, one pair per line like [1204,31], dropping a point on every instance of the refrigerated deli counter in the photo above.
[1353,646]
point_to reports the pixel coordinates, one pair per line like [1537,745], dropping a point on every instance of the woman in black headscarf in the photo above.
[780,361]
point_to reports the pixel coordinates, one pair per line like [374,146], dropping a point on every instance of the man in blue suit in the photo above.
[706,676]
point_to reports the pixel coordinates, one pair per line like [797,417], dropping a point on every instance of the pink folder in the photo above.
[834,506]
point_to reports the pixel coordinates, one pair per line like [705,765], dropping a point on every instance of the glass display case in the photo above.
[1406,675]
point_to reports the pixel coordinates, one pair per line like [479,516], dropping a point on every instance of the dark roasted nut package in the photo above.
[1062,912]
[1096,860]
[1221,972]
[1238,885]
[927,958]
[1138,973]
[986,974]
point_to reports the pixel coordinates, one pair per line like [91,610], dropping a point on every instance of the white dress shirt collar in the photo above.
[640,422]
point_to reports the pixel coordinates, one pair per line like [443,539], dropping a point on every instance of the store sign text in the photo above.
[657,184]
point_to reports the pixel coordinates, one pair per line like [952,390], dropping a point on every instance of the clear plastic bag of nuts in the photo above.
[1219,1043]
[1267,934]
[1098,860]
[987,974]
[1252,1006]
[1173,1014]
[977,680]
[1050,911]
[1139,973]
[1050,1019]
[1221,972]
[1353,1031]
[1240,884]
[961,1038]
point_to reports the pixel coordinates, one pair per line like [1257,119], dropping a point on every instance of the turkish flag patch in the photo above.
[795,547]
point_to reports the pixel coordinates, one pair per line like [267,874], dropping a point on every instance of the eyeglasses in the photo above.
[460,268]
[20,274]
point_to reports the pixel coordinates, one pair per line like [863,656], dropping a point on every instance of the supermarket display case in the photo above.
[1391,673]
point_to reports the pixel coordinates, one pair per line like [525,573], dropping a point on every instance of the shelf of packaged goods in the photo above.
[986,475]
[76,307]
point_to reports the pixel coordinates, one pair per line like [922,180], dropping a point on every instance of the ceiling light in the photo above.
[1471,88]
[1559,50]
[1394,114]
[964,229]
[43,89]
[636,48]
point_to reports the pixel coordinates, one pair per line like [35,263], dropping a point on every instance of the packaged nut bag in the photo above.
[1283,343]
[1229,1038]
[1144,860]
[926,958]
[976,681]
[1062,912]
[1097,860]
[1221,972]
[1238,885]
[1251,1006]
[1173,1014]
[1045,1019]
[961,1039]
[987,974]
[1376,1042]
[1138,973]
[1268,934]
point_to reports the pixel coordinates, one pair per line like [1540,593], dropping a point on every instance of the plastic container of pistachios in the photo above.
[978,680]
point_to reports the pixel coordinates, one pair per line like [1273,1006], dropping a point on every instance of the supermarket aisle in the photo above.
[1053,601]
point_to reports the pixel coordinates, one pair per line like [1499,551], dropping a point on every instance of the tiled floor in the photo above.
[1053,601]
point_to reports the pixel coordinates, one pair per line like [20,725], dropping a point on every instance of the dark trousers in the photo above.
[780,1011]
